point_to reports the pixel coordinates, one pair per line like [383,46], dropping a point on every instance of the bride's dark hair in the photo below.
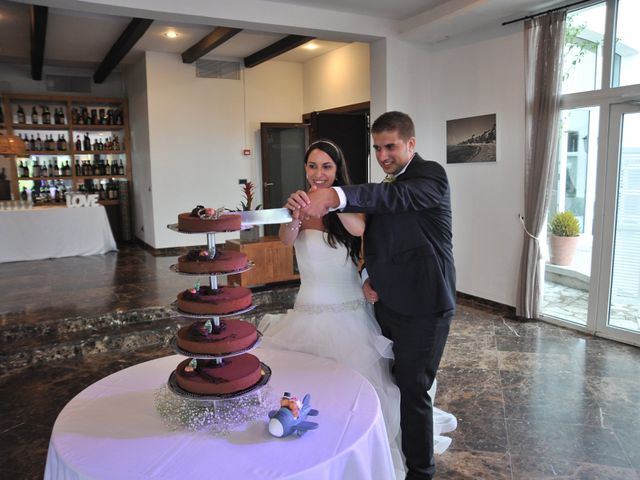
[332,224]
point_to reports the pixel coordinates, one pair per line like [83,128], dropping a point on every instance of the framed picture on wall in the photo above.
[471,139]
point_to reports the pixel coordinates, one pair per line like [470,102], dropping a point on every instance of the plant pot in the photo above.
[562,250]
[250,235]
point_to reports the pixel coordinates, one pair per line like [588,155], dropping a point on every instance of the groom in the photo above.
[409,260]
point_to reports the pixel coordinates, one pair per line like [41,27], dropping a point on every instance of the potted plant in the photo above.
[563,239]
[252,234]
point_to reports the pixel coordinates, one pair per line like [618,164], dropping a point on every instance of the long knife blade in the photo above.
[265,217]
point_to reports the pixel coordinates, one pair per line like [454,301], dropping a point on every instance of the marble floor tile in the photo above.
[575,443]
[534,468]
[467,465]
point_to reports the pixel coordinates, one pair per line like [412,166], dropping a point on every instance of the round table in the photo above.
[112,430]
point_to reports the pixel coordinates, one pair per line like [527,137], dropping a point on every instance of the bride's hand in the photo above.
[297,200]
[369,293]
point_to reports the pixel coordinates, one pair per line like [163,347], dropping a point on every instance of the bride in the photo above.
[330,317]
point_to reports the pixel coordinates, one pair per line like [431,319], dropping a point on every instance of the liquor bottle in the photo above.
[63,143]
[43,170]
[116,143]
[35,169]
[94,117]
[39,145]
[1,115]
[50,169]
[32,143]
[20,115]
[110,117]
[114,168]
[74,116]
[102,194]
[46,116]
[120,168]
[87,142]
[78,144]
[34,115]
[56,169]
[78,170]
[24,195]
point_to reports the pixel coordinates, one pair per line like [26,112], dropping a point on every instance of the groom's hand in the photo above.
[321,200]
[369,293]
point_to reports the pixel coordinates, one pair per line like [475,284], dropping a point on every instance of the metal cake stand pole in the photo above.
[213,282]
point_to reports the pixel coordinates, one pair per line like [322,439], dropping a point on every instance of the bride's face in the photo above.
[320,169]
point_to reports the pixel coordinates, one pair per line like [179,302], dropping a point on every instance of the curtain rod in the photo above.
[527,17]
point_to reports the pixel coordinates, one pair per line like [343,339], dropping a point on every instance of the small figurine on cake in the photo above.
[290,418]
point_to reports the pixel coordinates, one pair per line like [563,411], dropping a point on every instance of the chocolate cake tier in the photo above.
[224,261]
[209,378]
[220,301]
[234,336]
[189,222]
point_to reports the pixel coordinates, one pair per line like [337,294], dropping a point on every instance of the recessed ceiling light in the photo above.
[171,34]
[311,46]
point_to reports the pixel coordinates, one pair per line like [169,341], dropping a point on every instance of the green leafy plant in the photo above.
[248,193]
[565,224]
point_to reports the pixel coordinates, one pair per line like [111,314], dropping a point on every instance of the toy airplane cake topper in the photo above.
[290,418]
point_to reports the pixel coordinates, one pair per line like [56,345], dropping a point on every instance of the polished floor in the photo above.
[533,401]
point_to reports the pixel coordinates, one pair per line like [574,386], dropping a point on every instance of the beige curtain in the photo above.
[543,43]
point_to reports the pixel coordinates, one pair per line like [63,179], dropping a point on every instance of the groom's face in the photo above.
[392,152]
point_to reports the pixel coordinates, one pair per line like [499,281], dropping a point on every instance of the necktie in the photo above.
[389,179]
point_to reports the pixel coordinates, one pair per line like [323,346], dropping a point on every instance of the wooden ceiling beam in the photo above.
[39,17]
[216,38]
[136,28]
[278,48]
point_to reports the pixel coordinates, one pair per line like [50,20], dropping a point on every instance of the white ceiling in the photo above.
[81,32]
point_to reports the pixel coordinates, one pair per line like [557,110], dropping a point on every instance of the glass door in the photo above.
[618,306]
[567,279]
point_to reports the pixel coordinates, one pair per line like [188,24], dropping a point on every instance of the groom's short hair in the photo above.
[395,121]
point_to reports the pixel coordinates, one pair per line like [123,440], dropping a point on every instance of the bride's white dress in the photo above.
[331,318]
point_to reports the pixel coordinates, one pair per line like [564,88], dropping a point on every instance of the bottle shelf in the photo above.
[99,152]
[49,152]
[87,177]
[80,127]
[62,127]
[53,177]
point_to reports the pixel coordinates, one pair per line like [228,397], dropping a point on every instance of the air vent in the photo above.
[66,83]
[218,69]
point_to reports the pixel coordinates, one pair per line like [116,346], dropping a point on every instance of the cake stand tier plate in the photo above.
[174,305]
[264,379]
[206,356]
[250,265]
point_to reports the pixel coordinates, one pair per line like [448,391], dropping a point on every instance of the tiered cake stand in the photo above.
[217,324]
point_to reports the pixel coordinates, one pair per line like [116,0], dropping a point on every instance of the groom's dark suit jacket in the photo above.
[407,241]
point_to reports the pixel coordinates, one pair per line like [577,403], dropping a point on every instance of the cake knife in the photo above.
[265,217]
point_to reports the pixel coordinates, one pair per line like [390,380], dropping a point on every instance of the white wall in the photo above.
[197,130]
[340,77]
[142,206]
[483,78]
[436,85]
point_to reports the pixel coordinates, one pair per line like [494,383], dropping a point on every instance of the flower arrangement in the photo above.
[248,193]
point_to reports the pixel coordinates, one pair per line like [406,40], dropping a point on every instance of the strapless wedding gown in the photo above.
[331,318]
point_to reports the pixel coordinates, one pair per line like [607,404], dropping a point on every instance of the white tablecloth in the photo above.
[111,430]
[53,232]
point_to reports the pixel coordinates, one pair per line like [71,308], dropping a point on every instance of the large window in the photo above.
[597,173]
